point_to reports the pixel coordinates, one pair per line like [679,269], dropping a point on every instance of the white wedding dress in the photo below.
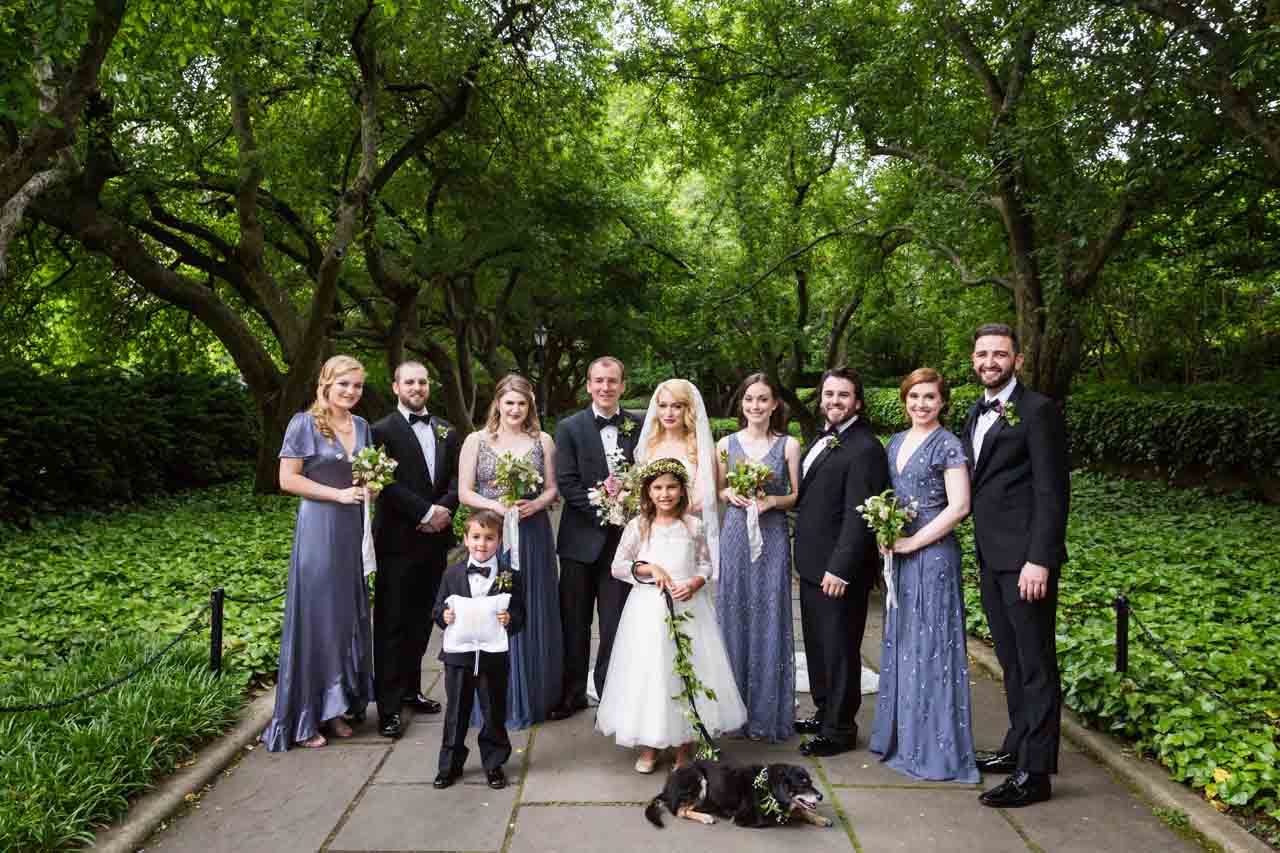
[637,708]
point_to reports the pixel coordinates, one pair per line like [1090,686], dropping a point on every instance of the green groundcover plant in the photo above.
[64,771]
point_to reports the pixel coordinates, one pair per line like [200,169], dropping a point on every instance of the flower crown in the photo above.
[658,467]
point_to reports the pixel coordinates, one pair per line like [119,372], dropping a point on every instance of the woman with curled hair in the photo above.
[923,722]
[537,652]
[326,651]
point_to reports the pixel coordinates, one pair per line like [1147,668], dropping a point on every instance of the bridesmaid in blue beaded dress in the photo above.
[537,652]
[326,643]
[922,725]
[754,595]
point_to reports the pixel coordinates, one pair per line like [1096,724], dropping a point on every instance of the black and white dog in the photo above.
[756,795]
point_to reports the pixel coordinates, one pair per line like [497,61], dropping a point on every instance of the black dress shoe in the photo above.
[497,779]
[808,725]
[445,778]
[565,710]
[820,746]
[996,762]
[1020,789]
[390,726]
[421,704]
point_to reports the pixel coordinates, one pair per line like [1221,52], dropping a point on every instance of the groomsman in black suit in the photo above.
[1017,444]
[412,534]
[586,548]
[837,559]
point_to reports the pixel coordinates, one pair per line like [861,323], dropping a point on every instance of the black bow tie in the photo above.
[473,569]
[615,421]
[413,419]
[832,430]
[995,405]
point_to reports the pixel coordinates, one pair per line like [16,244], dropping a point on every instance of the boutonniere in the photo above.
[768,802]
[442,431]
[502,583]
[1009,412]
[628,426]
[834,443]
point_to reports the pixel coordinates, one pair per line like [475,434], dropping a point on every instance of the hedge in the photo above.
[102,437]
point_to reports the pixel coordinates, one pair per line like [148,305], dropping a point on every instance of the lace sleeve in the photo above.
[701,549]
[628,552]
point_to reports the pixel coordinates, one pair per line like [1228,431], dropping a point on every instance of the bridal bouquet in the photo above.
[517,477]
[748,479]
[616,497]
[372,468]
[888,517]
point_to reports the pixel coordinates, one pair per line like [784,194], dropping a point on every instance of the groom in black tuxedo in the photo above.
[837,559]
[1016,441]
[412,534]
[585,546]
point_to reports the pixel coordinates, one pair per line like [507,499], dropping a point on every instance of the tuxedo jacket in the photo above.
[831,535]
[455,582]
[402,504]
[1021,486]
[580,464]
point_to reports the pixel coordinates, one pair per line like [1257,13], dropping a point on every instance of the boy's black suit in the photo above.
[462,682]
[410,562]
[1020,496]
[831,536]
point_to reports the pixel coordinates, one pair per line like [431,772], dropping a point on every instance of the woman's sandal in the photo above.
[316,741]
[646,763]
[338,728]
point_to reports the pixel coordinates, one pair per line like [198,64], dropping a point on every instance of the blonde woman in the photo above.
[676,427]
[537,652]
[326,654]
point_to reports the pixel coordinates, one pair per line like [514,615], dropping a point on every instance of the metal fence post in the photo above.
[1122,634]
[216,598]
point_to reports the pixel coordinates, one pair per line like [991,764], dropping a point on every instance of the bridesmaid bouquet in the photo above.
[888,517]
[616,497]
[372,468]
[748,479]
[517,477]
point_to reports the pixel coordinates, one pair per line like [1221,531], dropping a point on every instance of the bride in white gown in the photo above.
[667,546]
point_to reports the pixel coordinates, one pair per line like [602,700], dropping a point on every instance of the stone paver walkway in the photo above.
[574,790]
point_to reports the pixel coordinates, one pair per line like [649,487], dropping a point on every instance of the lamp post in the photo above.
[540,341]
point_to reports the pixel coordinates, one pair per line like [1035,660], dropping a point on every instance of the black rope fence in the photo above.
[213,609]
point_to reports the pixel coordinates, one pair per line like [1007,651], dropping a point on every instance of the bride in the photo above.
[676,427]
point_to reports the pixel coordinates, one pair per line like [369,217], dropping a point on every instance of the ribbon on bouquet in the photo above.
[890,593]
[754,538]
[511,536]
[367,555]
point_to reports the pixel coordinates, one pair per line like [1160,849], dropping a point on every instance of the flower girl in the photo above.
[665,548]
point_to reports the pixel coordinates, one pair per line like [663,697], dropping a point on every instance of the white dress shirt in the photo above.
[987,420]
[427,441]
[821,445]
[480,583]
[608,435]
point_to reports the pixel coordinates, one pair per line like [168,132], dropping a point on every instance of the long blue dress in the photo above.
[326,643]
[922,726]
[754,603]
[537,652]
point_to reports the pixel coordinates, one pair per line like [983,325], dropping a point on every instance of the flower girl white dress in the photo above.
[638,707]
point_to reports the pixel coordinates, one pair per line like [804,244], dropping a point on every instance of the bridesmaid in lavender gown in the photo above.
[326,651]
[922,725]
[754,595]
[537,652]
